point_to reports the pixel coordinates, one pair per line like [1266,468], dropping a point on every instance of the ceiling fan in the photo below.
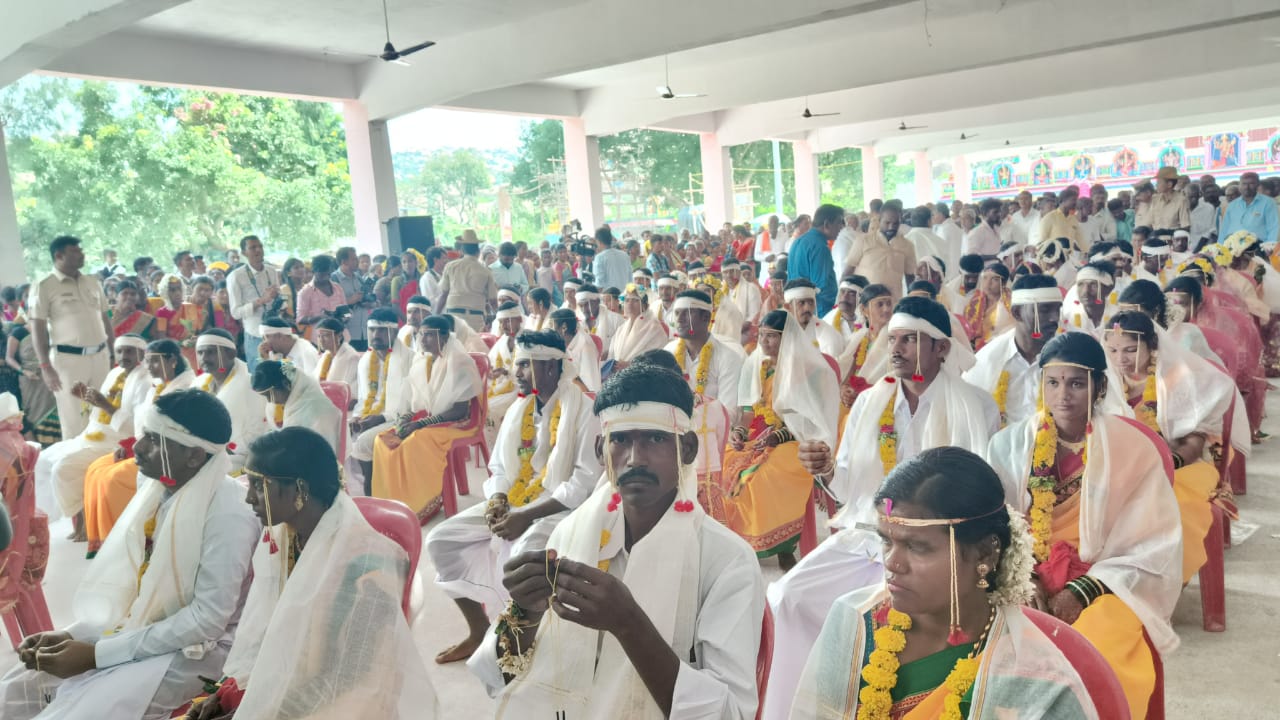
[968,137]
[806,114]
[664,91]
[904,126]
[389,52]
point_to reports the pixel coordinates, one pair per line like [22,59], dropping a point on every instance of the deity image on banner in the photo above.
[1224,150]
[1273,154]
[1041,172]
[1082,168]
[1171,156]
[1125,163]
[1003,175]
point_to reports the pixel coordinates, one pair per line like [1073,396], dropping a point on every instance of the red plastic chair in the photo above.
[765,659]
[455,477]
[809,526]
[339,393]
[395,520]
[23,570]
[489,339]
[1104,689]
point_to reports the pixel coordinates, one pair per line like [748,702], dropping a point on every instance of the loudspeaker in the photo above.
[417,232]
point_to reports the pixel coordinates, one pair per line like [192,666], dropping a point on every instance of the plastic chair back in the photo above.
[339,393]
[489,339]
[395,520]
[1104,689]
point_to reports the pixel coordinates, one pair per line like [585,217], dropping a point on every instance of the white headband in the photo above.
[509,313]
[846,285]
[637,275]
[1095,275]
[573,282]
[1009,251]
[509,293]
[646,415]
[903,321]
[154,421]
[932,263]
[668,282]
[1181,233]
[1034,296]
[586,297]
[698,271]
[382,324]
[538,352]
[688,303]
[799,293]
[1155,251]
[125,341]
[423,306]
[205,341]
[273,330]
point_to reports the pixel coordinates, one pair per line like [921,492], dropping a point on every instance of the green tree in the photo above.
[448,185]
[753,167]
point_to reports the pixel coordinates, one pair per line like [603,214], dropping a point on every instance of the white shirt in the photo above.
[342,368]
[1204,221]
[586,467]
[841,247]
[1091,231]
[303,355]
[1028,225]
[244,286]
[1024,377]
[747,297]
[981,240]
[951,232]
[722,376]
[719,683]
[927,242]
[429,288]
[829,340]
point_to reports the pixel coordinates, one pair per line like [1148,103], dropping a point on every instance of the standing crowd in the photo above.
[938,419]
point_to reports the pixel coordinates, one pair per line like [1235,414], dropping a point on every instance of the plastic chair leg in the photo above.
[11,628]
[1213,594]
[1236,471]
[449,486]
[461,484]
[1155,706]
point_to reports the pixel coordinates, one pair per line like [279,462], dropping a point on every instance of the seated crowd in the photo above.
[972,413]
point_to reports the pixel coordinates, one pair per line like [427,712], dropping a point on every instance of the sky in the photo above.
[433,129]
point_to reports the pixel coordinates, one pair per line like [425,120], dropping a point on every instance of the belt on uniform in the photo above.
[74,350]
[463,311]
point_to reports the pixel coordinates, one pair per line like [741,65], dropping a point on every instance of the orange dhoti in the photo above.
[765,493]
[413,470]
[1194,486]
[108,488]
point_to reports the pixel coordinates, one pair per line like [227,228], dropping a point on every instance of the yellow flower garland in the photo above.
[505,385]
[278,414]
[761,408]
[526,488]
[958,682]
[114,394]
[860,357]
[604,541]
[704,364]
[324,365]
[207,386]
[888,436]
[881,671]
[376,399]
[1001,396]
[1041,483]
[1146,410]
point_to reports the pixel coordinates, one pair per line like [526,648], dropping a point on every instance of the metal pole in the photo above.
[777,178]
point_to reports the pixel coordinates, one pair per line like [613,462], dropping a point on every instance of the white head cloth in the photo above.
[512,294]
[1156,251]
[1035,296]
[538,352]
[214,340]
[688,303]
[125,341]
[1009,252]
[1181,233]
[932,263]
[509,313]
[579,671]
[573,282]
[382,324]
[847,284]
[1088,274]
[424,306]
[582,297]
[273,330]
[958,359]
[799,293]
[806,392]
[668,281]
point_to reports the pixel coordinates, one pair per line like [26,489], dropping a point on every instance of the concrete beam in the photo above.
[190,62]
[34,33]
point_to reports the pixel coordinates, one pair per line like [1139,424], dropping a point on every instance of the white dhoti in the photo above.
[801,599]
[361,447]
[60,472]
[150,689]
[468,558]
[73,413]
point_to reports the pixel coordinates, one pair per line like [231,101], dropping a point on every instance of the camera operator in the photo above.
[254,292]
[357,289]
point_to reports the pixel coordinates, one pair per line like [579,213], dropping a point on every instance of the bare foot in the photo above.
[786,561]
[458,652]
[79,535]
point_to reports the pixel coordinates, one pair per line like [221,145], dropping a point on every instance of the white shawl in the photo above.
[332,638]
[454,379]
[636,336]
[559,460]
[728,322]
[308,407]
[806,394]
[1130,527]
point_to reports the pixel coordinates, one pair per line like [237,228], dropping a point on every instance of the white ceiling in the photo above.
[1029,71]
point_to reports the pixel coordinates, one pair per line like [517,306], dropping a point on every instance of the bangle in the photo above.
[1079,594]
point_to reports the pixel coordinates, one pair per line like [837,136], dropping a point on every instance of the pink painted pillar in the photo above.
[373,180]
[717,182]
[923,183]
[13,271]
[808,192]
[582,168]
[872,177]
[964,183]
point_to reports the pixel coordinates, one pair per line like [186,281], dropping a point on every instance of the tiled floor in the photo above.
[1234,674]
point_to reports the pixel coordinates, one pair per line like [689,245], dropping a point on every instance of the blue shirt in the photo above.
[611,268]
[510,276]
[810,258]
[1258,217]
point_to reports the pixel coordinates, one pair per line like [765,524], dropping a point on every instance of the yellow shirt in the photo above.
[1055,225]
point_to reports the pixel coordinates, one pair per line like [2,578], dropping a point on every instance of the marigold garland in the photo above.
[1146,410]
[880,674]
[209,378]
[527,488]
[860,357]
[958,682]
[761,408]
[376,399]
[888,436]
[277,414]
[1001,396]
[324,365]
[1041,483]
[114,394]
[504,385]
[704,364]
[604,541]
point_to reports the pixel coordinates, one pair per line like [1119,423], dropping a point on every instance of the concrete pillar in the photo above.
[872,177]
[717,182]
[964,183]
[13,271]
[808,192]
[582,168]
[373,179]
[923,183]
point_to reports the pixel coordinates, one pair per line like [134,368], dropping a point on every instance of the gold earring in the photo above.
[300,499]
[983,569]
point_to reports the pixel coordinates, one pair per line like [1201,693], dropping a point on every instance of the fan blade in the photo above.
[814,115]
[401,62]
[343,53]
[416,48]
[664,90]
[689,95]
